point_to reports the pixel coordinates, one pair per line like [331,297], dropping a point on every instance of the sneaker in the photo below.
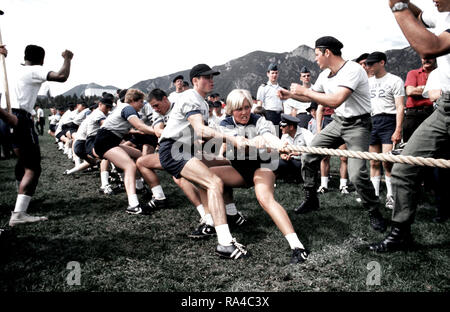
[156,204]
[299,255]
[234,251]
[322,190]
[107,189]
[66,172]
[236,220]
[390,202]
[135,210]
[377,221]
[23,217]
[202,231]
[344,190]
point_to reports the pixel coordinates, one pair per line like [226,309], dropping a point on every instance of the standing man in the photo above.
[299,109]
[342,85]
[178,83]
[418,108]
[432,138]
[40,120]
[31,75]
[268,98]
[386,95]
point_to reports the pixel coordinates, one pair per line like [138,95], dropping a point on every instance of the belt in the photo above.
[426,109]
[355,118]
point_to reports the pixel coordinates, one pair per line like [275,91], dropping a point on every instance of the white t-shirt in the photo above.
[26,88]
[178,127]
[433,83]
[158,118]
[354,77]
[93,122]
[269,97]
[78,119]
[383,92]
[174,96]
[146,113]
[40,113]
[440,22]
[117,122]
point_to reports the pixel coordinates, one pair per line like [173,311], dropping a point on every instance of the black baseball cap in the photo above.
[178,77]
[376,57]
[313,105]
[202,70]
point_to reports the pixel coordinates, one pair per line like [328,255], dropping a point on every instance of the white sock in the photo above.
[223,235]
[22,203]
[376,184]
[208,219]
[342,182]
[139,184]
[388,185]
[293,241]
[231,209]
[66,150]
[77,160]
[60,145]
[74,169]
[104,178]
[324,181]
[133,200]
[201,210]
[158,192]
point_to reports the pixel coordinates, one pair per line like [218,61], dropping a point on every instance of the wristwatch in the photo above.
[399,6]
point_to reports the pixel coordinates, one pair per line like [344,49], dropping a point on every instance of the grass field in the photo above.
[120,252]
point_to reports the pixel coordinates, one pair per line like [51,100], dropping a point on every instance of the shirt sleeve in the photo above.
[128,112]
[40,74]
[411,79]
[428,19]
[318,85]
[260,94]
[352,77]
[399,89]
[263,126]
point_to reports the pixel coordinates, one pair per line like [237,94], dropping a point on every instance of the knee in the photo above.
[140,163]
[215,184]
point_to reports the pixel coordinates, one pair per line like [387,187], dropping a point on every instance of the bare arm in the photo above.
[332,100]
[423,41]
[414,91]
[158,128]
[64,72]
[140,125]
[319,117]
[397,135]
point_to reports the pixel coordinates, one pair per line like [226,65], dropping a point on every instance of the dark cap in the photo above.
[361,57]
[313,105]
[107,99]
[217,104]
[178,77]
[185,84]
[329,43]
[272,66]
[210,103]
[304,70]
[376,57]
[288,119]
[202,70]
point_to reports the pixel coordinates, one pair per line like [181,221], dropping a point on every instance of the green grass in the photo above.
[120,252]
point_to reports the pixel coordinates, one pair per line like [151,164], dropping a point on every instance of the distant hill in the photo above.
[249,71]
[81,89]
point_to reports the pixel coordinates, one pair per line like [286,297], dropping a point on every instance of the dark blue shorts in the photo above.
[52,128]
[173,158]
[141,139]
[25,138]
[383,126]
[104,141]
[79,148]
[90,145]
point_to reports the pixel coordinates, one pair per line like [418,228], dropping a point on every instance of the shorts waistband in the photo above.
[355,118]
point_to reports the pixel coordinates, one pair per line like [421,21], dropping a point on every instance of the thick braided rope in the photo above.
[411,160]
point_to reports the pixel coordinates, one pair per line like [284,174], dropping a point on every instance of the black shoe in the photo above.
[204,230]
[236,220]
[156,204]
[399,238]
[234,251]
[310,203]
[377,221]
[135,210]
[299,255]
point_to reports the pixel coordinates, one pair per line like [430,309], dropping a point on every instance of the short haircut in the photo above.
[157,94]
[235,100]
[35,54]
[259,110]
[134,95]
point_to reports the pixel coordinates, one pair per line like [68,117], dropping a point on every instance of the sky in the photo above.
[121,43]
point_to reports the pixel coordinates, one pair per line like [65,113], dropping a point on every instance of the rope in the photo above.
[411,160]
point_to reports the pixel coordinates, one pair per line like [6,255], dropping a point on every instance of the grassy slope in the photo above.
[119,252]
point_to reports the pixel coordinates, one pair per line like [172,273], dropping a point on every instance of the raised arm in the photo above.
[64,72]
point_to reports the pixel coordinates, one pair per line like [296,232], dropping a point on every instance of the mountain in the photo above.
[249,71]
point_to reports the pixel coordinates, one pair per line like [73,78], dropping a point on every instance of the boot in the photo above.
[399,238]
[377,221]
[310,203]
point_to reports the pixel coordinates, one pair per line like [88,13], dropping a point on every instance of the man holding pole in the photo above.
[31,75]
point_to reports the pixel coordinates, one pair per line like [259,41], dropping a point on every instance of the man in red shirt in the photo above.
[418,108]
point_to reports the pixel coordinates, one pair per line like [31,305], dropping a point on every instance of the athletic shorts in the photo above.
[90,145]
[59,135]
[383,126]
[52,128]
[72,127]
[79,148]
[172,159]
[25,138]
[104,141]
[141,139]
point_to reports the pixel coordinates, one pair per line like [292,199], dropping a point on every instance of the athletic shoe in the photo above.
[107,189]
[234,251]
[299,255]
[66,172]
[322,190]
[156,204]
[344,190]
[135,210]
[23,217]
[390,202]
[377,221]
[204,230]
[236,220]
